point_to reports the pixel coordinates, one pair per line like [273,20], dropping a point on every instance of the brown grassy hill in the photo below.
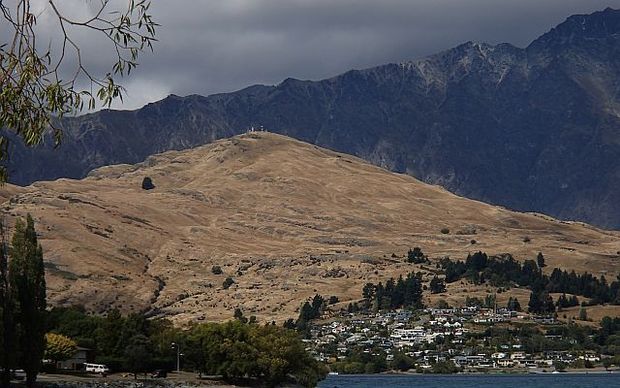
[284,219]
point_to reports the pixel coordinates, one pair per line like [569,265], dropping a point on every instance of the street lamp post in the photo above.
[178,348]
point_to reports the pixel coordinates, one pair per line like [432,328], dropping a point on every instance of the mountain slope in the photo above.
[534,129]
[284,219]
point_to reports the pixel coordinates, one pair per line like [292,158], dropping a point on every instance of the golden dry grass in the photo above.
[284,218]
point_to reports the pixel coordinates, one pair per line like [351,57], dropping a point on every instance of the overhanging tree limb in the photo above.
[32,89]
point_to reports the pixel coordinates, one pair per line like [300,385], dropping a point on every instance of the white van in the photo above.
[97,368]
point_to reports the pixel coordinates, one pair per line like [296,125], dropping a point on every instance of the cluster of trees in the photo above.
[608,337]
[597,289]
[267,353]
[308,311]
[504,270]
[402,293]
[22,302]
[437,285]
[499,271]
[359,361]
[541,302]
[369,361]
[565,301]
[130,343]
[416,256]
[236,349]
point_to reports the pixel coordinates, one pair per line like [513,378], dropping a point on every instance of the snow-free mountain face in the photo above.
[531,129]
[284,219]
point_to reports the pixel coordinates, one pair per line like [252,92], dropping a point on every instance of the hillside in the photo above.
[285,219]
[533,129]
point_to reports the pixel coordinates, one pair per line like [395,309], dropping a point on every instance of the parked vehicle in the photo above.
[18,374]
[97,368]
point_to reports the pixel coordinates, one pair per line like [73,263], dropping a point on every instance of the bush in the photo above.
[445,367]
[445,231]
[217,270]
[416,256]
[402,362]
[228,282]
[147,184]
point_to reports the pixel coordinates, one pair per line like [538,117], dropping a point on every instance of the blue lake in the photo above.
[475,381]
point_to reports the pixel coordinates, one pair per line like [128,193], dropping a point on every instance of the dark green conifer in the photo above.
[27,283]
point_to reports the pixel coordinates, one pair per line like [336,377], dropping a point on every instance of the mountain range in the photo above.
[531,129]
[283,219]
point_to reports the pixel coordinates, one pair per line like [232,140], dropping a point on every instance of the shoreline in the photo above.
[522,372]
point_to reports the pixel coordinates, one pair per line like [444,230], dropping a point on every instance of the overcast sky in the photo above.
[212,46]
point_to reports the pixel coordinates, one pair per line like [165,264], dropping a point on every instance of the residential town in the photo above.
[470,339]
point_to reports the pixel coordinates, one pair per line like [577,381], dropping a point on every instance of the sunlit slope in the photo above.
[283,218]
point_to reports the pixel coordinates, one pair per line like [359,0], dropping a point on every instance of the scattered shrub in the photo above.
[217,270]
[228,282]
[147,183]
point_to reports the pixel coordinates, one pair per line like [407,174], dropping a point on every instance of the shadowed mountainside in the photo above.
[534,129]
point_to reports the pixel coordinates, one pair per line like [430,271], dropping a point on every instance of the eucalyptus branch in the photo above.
[31,89]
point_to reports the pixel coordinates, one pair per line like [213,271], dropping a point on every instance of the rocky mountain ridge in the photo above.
[533,129]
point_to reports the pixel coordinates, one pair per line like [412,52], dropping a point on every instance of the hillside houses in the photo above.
[456,335]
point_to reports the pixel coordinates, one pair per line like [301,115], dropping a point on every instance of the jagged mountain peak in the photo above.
[531,129]
[598,25]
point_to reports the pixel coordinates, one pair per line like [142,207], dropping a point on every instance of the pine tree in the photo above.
[540,260]
[27,283]
[513,304]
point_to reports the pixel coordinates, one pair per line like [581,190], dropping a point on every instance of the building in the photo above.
[80,357]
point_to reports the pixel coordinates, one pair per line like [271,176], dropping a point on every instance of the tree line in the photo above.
[504,270]
[401,293]
[237,350]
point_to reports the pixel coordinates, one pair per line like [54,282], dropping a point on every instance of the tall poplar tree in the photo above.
[27,284]
[7,327]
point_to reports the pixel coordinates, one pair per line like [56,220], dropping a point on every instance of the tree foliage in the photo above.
[404,292]
[138,354]
[7,322]
[504,270]
[59,347]
[416,256]
[268,353]
[32,88]
[513,304]
[27,283]
[437,285]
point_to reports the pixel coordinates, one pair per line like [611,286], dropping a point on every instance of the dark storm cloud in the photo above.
[210,46]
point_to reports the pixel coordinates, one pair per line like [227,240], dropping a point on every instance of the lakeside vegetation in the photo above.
[236,350]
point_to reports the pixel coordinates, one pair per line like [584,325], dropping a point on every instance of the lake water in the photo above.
[475,381]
